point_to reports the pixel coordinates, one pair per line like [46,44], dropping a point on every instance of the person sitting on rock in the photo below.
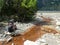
[11,27]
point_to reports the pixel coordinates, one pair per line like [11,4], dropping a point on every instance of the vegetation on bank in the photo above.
[20,10]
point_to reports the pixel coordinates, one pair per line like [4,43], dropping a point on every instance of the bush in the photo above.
[23,10]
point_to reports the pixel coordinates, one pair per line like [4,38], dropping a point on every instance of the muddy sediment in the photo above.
[32,34]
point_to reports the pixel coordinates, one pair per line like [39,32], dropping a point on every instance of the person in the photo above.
[11,27]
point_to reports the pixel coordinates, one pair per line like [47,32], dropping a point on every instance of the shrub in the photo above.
[23,9]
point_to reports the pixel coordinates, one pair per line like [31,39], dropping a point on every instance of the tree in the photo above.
[1,4]
[28,8]
[23,9]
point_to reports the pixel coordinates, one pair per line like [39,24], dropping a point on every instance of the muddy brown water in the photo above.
[33,34]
